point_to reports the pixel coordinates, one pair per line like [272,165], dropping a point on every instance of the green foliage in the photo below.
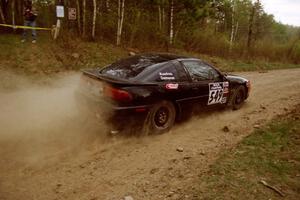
[215,27]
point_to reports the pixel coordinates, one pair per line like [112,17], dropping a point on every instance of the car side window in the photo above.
[160,73]
[167,73]
[173,71]
[182,74]
[200,71]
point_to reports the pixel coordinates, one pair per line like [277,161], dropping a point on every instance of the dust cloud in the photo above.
[40,119]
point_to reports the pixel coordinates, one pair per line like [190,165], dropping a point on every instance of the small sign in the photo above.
[60,12]
[72,13]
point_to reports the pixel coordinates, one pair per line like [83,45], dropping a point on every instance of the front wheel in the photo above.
[160,118]
[238,97]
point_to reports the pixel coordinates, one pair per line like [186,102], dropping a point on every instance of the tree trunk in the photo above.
[121,6]
[20,12]
[236,30]
[13,14]
[2,15]
[134,29]
[94,18]
[171,28]
[215,10]
[250,31]
[84,19]
[119,16]
[159,17]
[232,26]
[179,27]
[163,16]
[78,17]
[107,5]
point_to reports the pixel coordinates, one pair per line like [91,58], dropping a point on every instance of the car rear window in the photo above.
[131,67]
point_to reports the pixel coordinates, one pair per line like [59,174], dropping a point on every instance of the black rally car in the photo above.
[158,88]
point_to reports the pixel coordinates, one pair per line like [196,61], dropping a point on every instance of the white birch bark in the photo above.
[2,15]
[94,19]
[163,17]
[122,18]
[13,12]
[78,17]
[84,19]
[236,30]
[159,17]
[232,25]
[119,16]
[121,8]
[171,22]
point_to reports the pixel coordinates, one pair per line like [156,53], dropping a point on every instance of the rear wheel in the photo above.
[238,97]
[160,118]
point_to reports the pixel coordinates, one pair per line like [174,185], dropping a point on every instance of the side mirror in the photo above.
[224,76]
[211,75]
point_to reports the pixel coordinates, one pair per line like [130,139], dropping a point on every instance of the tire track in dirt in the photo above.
[149,168]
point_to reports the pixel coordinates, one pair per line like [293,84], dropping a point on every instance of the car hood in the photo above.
[235,78]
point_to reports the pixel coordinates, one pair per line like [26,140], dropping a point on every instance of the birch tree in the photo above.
[2,15]
[159,17]
[171,26]
[232,24]
[13,13]
[78,17]
[94,18]
[84,18]
[250,31]
[121,8]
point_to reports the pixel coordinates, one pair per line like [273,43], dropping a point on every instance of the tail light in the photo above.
[248,84]
[117,94]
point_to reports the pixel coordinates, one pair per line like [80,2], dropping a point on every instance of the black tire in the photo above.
[160,118]
[239,97]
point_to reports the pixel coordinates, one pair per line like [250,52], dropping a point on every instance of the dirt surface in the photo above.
[47,152]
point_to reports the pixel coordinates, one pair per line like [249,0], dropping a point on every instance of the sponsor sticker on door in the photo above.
[172,86]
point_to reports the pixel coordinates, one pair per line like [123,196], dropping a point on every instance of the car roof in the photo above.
[154,58]
[131,67]
[161,57]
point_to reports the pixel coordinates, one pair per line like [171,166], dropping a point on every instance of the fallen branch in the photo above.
[272,187]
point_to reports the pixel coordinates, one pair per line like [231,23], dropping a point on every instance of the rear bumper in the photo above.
[116,116]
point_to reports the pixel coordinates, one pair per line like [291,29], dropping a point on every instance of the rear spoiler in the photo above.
[94,74]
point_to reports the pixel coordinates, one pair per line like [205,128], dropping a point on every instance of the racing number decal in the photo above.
[216,91]
[215,96]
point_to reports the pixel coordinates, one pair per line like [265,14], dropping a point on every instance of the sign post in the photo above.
[60,13]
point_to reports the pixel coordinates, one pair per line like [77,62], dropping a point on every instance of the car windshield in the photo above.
[131,67]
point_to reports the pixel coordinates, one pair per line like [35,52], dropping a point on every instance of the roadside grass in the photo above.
[71,53]
[271,154]
[237,65]
[47,56]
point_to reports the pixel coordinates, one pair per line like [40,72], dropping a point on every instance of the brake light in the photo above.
[117,94]
[248,84]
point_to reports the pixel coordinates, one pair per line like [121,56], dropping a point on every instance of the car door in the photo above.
[173,80]
[205,87]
